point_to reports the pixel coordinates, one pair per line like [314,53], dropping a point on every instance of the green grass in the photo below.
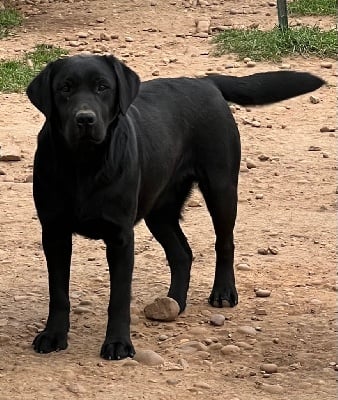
[312,7]
[15,75]
[9,18]
[275,44]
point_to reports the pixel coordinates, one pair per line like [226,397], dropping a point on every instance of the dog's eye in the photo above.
[101,87]
[65,88]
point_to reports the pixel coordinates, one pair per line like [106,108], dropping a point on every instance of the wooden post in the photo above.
[282,14]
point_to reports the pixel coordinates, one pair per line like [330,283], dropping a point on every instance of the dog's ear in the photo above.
[39,91]
[128,83]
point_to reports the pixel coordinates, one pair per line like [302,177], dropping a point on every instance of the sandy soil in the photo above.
[288,201]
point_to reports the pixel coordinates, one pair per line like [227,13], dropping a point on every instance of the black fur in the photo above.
[113,151]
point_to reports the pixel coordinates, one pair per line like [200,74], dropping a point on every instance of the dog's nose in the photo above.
[85,117]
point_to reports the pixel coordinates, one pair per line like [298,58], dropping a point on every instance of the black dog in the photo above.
[113,151]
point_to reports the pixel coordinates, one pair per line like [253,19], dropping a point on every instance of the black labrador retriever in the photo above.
[113,151]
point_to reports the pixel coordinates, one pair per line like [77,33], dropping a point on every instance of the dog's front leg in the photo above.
[58,249]
[120,257]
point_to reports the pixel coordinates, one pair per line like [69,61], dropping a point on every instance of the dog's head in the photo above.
[83,95]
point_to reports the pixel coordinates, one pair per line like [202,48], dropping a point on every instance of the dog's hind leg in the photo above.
[164,225]
[221,199]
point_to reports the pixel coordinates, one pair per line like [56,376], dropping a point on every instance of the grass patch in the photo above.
[15,75]
[9,18]
[312,7]
[277,43]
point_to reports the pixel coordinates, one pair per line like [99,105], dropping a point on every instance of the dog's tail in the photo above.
[266,87]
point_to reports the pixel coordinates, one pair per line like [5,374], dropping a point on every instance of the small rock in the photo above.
[314,99]
[148,357]
[4,339]
[327,129]
[260,310]
[314,148]
[251,64]
[81,310]
[156,72]
[326,64]
[230,349]
[83,35]
[194,203]
[173,382]
[273,250]
[269,368]
[244,345]
[202,25]
[263,251]
[162,309]
[250,163]
[100,20]
[130,363]
[273,389]
[263,293]
[76,388]
[263,157]
[10,153]
[217,319]
[202,385]
[104,36]
[259,196]
[243,267]
[202,35]
[2,172]
[246,59]
[247,330]
[128,39]
[272,3]
[285,66]
[28,179]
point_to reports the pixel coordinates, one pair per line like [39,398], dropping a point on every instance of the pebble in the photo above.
[314,148]
[269,368]
[148,357]
[128,39]
[244,345]
[273,250]
[28,179]
[251,64]
[327,129]
[202,385]
[194,203]
[263,251]
[273,389]
[76,388]
[100,20]
[4,339]
[285,66]
[260,310]
[230,349]
[259,196]
[217,320]
[173,382]
[162,309]
[263,293]
[243,267]
[263,157]
[156,72]
[250,163]
[104,36]
[314,100]
[130,363]
[202,25]
[81,310]
[10,153]
[247,330]
[326,64]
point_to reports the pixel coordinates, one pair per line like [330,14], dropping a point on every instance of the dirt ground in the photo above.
[287,201]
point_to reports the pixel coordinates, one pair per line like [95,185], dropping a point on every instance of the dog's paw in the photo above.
[224,298]
[116,349]
[47,341]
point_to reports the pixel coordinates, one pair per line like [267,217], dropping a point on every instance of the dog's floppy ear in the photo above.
[128,83]
[39,91]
